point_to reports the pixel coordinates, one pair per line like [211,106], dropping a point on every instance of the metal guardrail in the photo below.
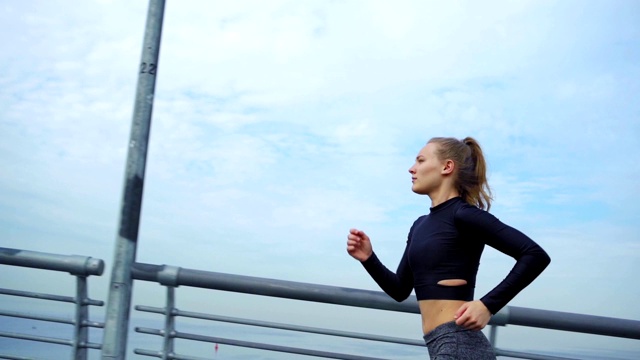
[79,266]
[172,277]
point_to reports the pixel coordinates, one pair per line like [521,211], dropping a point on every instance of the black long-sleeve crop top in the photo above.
[447,244]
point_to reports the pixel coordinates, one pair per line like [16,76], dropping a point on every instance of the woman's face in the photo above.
[426,172]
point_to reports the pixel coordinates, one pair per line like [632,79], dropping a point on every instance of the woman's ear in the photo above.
[448,167]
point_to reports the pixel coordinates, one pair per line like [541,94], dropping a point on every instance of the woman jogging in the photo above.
[443,252]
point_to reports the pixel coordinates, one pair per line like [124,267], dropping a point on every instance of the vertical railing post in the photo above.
[168,277]
[169,325]
[120,289]
[493,335]
[81,331]
[501,318]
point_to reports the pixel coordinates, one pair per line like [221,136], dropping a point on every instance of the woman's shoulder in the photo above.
[418,221]
[471,214]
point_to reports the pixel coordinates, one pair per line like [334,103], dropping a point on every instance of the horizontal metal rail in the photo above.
[252,345]
[49,340]
[172,356]
[11,357]
[50,297]
[590,324]
[53,319]
[73,264]
[556,320]
[280,326]
[272,287]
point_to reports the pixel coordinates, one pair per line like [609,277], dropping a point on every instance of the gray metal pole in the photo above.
[119,303]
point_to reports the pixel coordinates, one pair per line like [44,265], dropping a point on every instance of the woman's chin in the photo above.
[418,190]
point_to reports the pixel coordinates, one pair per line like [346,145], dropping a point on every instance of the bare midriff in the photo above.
[437,312]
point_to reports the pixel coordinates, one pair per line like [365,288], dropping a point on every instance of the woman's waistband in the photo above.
[446,328]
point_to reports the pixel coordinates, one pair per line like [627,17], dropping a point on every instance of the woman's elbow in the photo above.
[400,297]
[543,259]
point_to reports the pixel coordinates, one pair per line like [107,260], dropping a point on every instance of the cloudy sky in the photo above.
[279,125]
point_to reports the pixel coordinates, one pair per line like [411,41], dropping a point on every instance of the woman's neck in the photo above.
[438,197]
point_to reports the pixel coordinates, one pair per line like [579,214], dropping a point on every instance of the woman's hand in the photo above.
[359,245]
[473,315]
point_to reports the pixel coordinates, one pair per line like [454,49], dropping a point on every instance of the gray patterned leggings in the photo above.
[452,342]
